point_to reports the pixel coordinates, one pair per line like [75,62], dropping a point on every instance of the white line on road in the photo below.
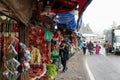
[88,69]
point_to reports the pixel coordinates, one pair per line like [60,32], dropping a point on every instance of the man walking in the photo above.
[64,55]
[106,46]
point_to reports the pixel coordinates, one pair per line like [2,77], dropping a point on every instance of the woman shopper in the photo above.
[97,48]
[35,54]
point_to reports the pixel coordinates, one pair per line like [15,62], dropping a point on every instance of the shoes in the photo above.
[65,69]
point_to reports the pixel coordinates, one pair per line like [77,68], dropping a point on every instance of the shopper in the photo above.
[106,46]
[84,47]
[80,43]
[90,47]
[35,54]
[64,55]
[97,48]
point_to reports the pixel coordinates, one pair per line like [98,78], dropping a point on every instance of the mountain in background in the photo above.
[86,29]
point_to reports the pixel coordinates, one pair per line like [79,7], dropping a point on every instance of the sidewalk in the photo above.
[76,69]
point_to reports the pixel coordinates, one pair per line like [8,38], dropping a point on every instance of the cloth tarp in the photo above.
[18,9]
[22,10]
[66,18]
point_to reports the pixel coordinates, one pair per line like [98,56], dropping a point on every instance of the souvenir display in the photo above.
[25,57]
[9,43]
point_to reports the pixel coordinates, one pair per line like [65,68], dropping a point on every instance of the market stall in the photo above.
[40,26]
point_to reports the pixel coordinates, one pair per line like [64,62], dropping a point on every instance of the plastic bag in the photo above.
[27,55]
[55,54]
[26,65]
[11,53]
[15,75]
[7,74]
[48,35]
[14,63]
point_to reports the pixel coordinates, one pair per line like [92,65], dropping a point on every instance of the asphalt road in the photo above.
[104,67]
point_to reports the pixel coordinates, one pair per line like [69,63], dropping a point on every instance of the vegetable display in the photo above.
[51,70]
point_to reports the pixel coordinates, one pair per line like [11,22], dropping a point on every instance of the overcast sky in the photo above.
[100,14]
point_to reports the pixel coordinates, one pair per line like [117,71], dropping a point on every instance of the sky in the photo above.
[101,14]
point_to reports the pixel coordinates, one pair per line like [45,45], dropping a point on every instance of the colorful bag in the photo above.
[48,35]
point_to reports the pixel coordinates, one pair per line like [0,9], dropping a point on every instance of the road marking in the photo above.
[88,69]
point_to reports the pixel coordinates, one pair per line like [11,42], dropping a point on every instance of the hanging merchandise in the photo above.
[56,35]
[11,53]
[48,35]
[9,49]
[54,55]
[37,35]
[14,63]
[26,57]
[7,74]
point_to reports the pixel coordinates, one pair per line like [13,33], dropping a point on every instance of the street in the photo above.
[104,67]
[92,67]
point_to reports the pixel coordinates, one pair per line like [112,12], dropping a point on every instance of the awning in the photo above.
[66,18]
[22,10]
[17,9]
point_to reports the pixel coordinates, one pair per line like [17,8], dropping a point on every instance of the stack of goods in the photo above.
[51,70]
[37,71]
[45,78]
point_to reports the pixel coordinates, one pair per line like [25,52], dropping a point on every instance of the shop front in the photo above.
[30,40]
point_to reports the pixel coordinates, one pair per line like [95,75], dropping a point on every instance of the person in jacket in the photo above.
[106,46]
[63,53]
[84,47]
[90,47]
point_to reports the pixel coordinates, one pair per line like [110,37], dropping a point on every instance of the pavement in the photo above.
[92,67]
[76,69]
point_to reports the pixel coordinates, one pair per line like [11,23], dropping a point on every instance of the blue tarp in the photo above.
[66,18]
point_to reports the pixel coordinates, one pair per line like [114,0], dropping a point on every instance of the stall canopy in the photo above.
[21,10]
[66,18]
